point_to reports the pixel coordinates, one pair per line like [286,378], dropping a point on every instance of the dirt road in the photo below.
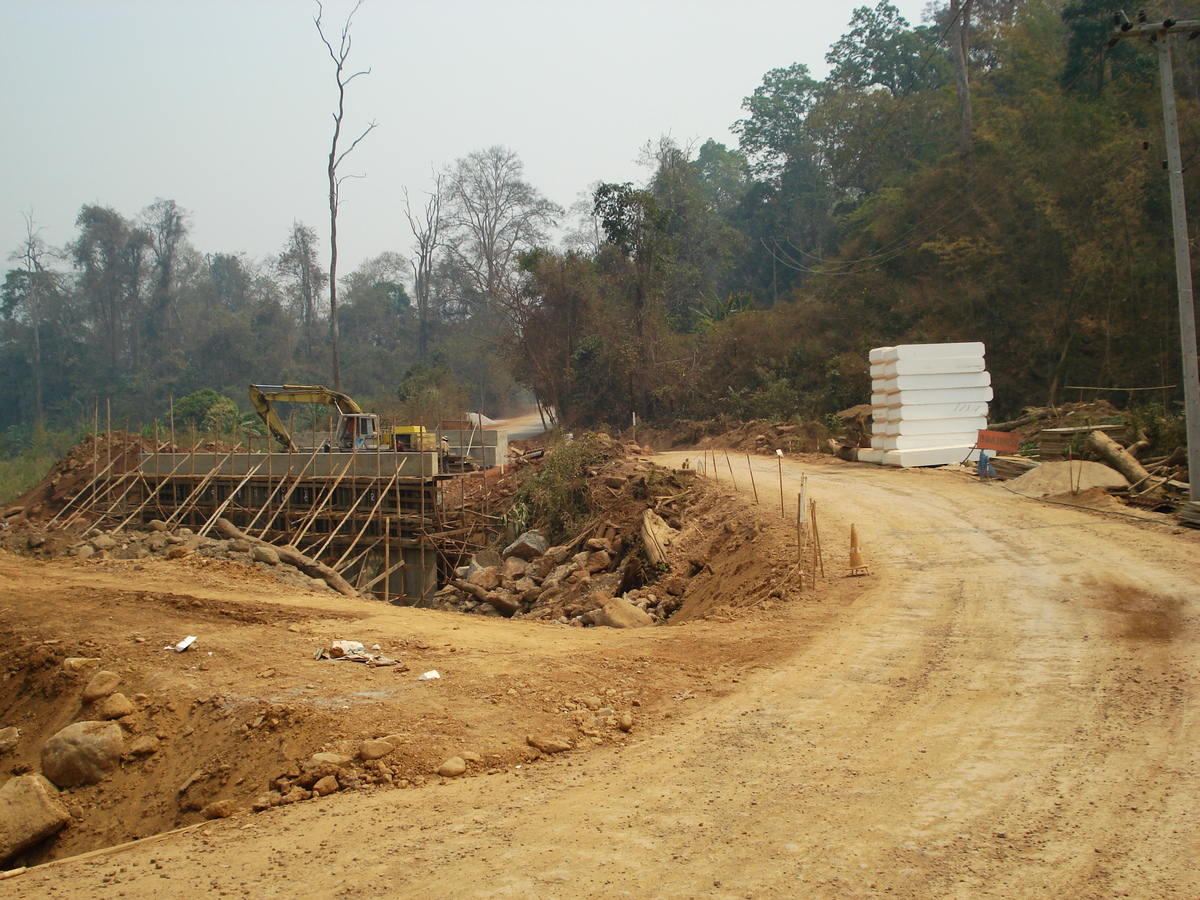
[1009,711]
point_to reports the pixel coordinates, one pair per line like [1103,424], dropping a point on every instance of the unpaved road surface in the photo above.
[1008,711]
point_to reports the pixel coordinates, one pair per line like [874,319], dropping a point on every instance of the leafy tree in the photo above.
[195,407]
[881,51]
[110,254]
[773,134]
[304,280]
[166,225]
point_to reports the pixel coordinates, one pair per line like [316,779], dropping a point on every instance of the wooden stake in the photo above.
[387,559]
[779,457]
[753,486]
[732,480]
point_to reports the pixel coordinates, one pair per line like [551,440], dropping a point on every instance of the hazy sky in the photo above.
[225,106]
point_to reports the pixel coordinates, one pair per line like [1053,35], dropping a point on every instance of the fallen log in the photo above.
[508,607]
[293,557]
[1117,457]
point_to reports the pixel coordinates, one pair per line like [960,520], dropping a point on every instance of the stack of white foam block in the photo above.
[929,402]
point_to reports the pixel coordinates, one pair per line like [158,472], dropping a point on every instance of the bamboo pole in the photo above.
[779,457]
[95,439]
[174,446]
[819,553]
[750,469]
[387,561]
[732,480]
[422,537]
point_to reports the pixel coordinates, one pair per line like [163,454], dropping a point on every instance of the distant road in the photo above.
[524,426]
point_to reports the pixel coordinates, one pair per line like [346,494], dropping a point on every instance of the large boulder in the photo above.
[82,753]
[30,811]
[528,546]
[620,613]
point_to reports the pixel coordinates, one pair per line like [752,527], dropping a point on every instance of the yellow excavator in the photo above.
[353,429]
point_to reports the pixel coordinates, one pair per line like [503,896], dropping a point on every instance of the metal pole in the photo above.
[1183,266]
[1160,33]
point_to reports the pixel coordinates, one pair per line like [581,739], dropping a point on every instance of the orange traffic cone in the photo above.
[858,565]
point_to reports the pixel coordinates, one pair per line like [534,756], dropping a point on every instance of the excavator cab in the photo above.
[357,431]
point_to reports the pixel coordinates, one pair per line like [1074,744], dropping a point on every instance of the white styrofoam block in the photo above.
[930,426]
[925,351]
[921,441]
[950,395]
[915,411]
[872,456]
[933,366]
[937,382]
[930,456]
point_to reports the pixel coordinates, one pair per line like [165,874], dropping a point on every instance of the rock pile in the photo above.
[534,581]
[158,542]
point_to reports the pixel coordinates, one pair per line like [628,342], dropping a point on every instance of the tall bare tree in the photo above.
[427,231]
[339,55]
[494,214]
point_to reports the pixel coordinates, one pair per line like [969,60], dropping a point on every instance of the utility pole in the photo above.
[1160,34]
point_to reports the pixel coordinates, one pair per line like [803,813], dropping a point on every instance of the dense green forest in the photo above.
[994,174]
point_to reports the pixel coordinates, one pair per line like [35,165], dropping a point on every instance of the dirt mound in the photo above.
[1065,476]
[96,455]
[744,437]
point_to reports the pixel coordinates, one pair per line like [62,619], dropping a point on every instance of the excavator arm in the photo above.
[262,395]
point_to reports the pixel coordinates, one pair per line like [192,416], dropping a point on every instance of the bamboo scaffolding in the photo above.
[366,523]
[356,559]
[80,494]
[312,517]
[151,495]
[385,574]
[228,500]
[283,503]
[134,476]
[194,497]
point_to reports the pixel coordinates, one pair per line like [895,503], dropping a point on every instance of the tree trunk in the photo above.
[1117,457]
[293,557]
[960,31]
[504,605]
